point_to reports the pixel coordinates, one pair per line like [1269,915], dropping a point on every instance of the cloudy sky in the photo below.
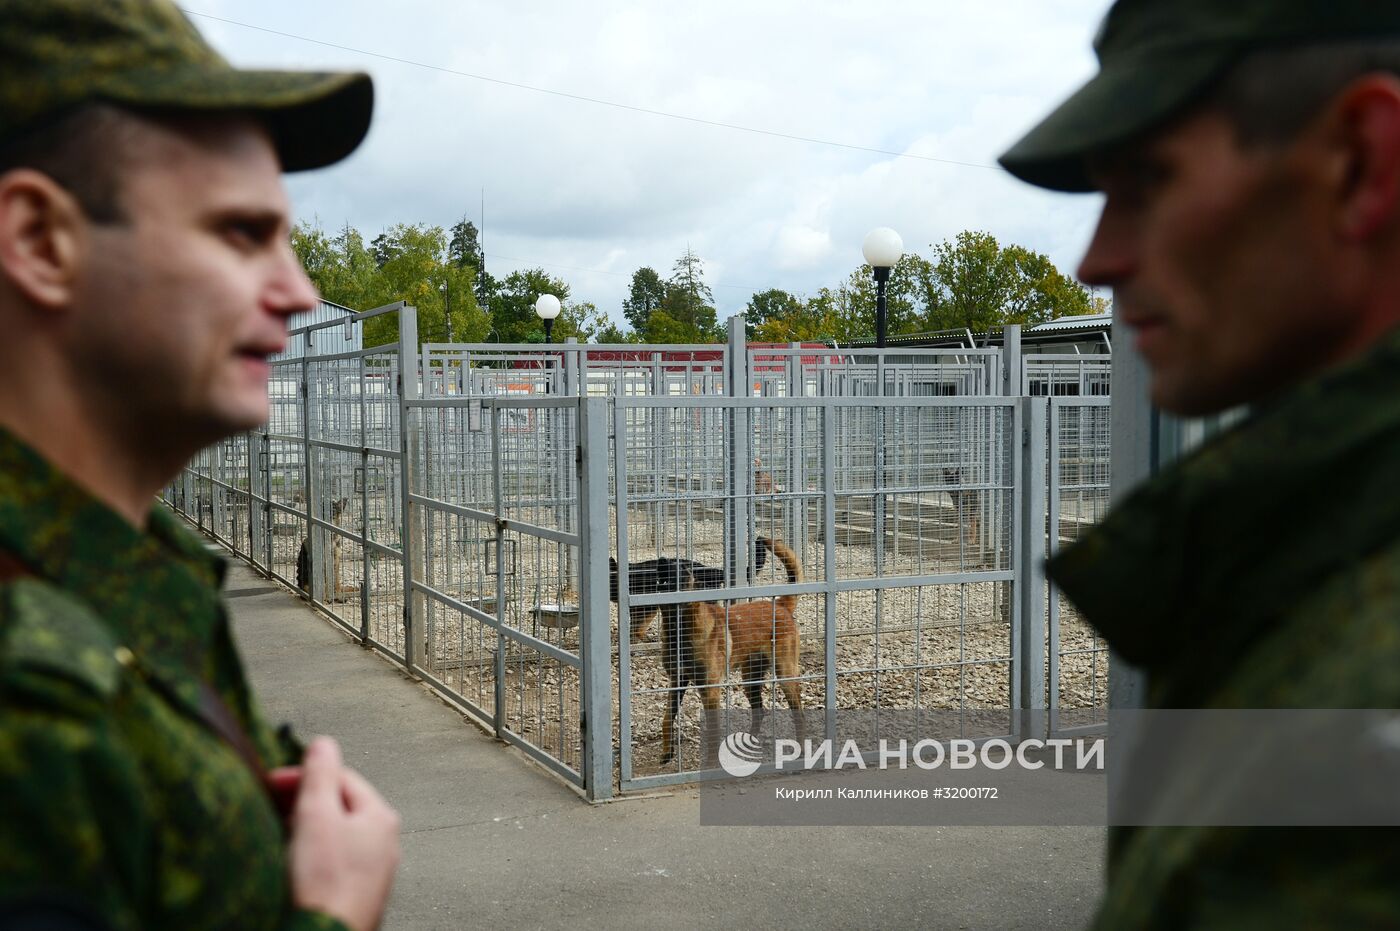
[591,192]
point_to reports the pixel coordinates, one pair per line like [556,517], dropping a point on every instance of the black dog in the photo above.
[670,574]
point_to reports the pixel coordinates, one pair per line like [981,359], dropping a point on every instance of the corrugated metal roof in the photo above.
[1080,322]
[325,310]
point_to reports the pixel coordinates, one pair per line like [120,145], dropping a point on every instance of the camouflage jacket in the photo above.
[1262,571]
[116,799]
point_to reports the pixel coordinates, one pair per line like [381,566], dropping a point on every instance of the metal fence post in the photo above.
[573,363]
[829,569]
[797,508]
[408,448]
[661,423]
[879,484]
[740,461]
[365,571]
[595,636]
[498,701]
[1133,457]
[267,498]
[1031,601]
[308,479]
[1012,379]
[573,384]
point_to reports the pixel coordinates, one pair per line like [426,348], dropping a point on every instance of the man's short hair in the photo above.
[84,151]
[1273,93]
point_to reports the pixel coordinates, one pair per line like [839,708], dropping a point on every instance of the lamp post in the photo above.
[883,249]
[446,290]
[547,308]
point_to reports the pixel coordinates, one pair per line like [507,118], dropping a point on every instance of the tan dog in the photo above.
[968,504]
[762,480]
[339,510]
[760,636]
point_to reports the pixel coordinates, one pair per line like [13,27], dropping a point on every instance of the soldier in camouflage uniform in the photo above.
[1249,152]
[145,277]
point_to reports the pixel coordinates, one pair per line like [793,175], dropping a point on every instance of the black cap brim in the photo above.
[315,118]
[1127,99]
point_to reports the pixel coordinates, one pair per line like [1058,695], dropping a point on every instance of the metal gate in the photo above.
[909,544]
[456,509]
[1078,454]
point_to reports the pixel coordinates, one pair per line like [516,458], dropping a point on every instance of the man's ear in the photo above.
[41,235]
[1368,126]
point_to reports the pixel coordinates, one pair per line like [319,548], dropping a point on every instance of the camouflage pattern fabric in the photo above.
[1157,58]
[58,54]
[1263,571]
[115,796]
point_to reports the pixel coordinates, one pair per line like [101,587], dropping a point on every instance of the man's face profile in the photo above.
[181,303]
[1217,254]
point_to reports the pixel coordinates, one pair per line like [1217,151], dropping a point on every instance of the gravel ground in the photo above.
[931,647]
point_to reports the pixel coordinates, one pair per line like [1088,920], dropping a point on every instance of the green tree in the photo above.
[773,305]
[802,321]
[646,294]
[513,305]
[979,284]
[317,256]
[846,313]
[843,314]
[687,313]
[382,248]
[609,332]
[464,248]
[414,270]
[583,319]
[340,266]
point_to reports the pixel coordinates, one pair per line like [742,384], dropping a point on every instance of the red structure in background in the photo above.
[673,360]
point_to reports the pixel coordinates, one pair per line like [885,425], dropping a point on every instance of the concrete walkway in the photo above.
[492,840]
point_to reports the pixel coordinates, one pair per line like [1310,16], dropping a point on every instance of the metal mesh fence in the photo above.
[1061,375]
[792,526]
[1079,455]
[873,572]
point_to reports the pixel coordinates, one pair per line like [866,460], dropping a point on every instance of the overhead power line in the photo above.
[720,124]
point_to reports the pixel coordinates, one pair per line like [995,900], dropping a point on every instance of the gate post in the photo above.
[740,459]
[409,449]
[1012,379]
[796,509]
[1030,569]
[595,645]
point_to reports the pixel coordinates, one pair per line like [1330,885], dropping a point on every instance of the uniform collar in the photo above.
[158,590]
[1213,550]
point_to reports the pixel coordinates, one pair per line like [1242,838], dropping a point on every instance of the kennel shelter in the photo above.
[455,507]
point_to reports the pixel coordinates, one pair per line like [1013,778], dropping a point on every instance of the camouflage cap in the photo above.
[1156,57]
[58,54]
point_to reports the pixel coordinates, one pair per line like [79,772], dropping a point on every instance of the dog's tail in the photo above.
[794,569]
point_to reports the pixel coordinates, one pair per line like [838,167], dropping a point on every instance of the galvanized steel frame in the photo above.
[600,469]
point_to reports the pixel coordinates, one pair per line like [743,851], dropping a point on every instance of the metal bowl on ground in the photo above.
[557,615]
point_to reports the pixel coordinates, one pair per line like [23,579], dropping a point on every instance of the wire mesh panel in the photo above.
[312,498]
[872,570]
[285,467]
[1064,375]
[496,370]
[848,532]
[351,561]
[845,373]
[1079,452]
[498,511]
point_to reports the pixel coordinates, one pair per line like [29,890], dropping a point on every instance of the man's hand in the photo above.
[345,840]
